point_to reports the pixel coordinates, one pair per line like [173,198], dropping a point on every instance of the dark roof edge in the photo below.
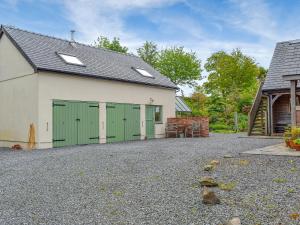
[104,78]
[19,48]
[278,90]
[1,31]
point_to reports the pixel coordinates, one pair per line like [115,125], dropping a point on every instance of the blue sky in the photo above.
[204,26]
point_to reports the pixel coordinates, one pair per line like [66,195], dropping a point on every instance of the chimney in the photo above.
[72,35]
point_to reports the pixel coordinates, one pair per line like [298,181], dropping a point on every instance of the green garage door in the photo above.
[122,122]
[150,121]
[75,123]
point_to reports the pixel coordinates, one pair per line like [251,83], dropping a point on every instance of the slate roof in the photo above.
[285,61]
[42,52]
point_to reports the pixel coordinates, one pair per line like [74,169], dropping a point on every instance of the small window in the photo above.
[158,114]
[71,59]
[143,72]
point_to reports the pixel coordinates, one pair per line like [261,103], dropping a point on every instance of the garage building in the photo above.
[73,93]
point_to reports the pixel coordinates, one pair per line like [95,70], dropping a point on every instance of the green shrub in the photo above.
[297,141]
[242,122]
[219,126]
[295,133]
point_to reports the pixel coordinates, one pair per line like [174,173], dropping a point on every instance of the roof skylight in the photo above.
[71,59]
[143,72]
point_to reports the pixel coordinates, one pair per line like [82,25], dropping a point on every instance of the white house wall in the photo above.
[12,62]
[18,100]
[67,87]
[18,96]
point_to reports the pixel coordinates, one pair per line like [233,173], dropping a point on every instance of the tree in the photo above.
[183,68]
[262,74]
[114,45]
[231,74]
[233,79]
[197,102]
[149,53]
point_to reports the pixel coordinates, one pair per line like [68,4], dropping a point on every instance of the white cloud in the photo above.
[93,18]
[255,17]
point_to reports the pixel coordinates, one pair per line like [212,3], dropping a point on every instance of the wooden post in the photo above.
[293,102]
[236,125]
[270,115]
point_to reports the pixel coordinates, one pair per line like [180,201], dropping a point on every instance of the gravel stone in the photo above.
[148,182]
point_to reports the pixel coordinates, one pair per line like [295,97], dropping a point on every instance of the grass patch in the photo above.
[118,193]
[244,162]
[293,169]
[194,210]
[103,188]
[224,131]
[195,185]
[291,190]
[227,186]
[280,180]
[81,173]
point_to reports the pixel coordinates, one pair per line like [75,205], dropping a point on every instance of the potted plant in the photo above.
[288,138]
[290,135]
[296,144]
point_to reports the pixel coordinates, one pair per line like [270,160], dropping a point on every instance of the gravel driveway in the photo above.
[148,182]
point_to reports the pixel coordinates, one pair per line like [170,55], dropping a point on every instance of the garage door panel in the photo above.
[71,125]
[132,122]
[114,122]
[123,122]
[150,121]
[59,125]
[93,123]
[75,123]
[82,123]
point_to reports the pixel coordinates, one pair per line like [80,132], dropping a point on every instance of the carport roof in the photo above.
[181,106]
[43,53]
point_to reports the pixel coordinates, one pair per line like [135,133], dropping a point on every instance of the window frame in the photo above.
[160,121]
[61,55]
[138,70]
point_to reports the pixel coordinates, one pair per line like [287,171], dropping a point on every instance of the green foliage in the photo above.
[297,141]
[197,102]
[280,180]
[295,133]
[242,122]
[114,45]
[262,74]
[227,186]
[233,79]
[220,126]
[149,53]
[230,75]
[183,68]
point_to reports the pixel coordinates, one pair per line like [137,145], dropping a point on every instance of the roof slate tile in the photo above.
[100,63]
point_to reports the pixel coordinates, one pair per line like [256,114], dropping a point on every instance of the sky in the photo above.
[202,26]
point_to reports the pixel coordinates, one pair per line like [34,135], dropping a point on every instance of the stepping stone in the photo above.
[209,197]
[208,182]
[208,167]
[214,162]
[234,221]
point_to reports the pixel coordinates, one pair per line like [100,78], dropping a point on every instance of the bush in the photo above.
[242,122]
[297,141]
[219,126]
[295,132]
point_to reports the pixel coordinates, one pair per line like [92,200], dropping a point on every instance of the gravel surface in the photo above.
[148,182]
